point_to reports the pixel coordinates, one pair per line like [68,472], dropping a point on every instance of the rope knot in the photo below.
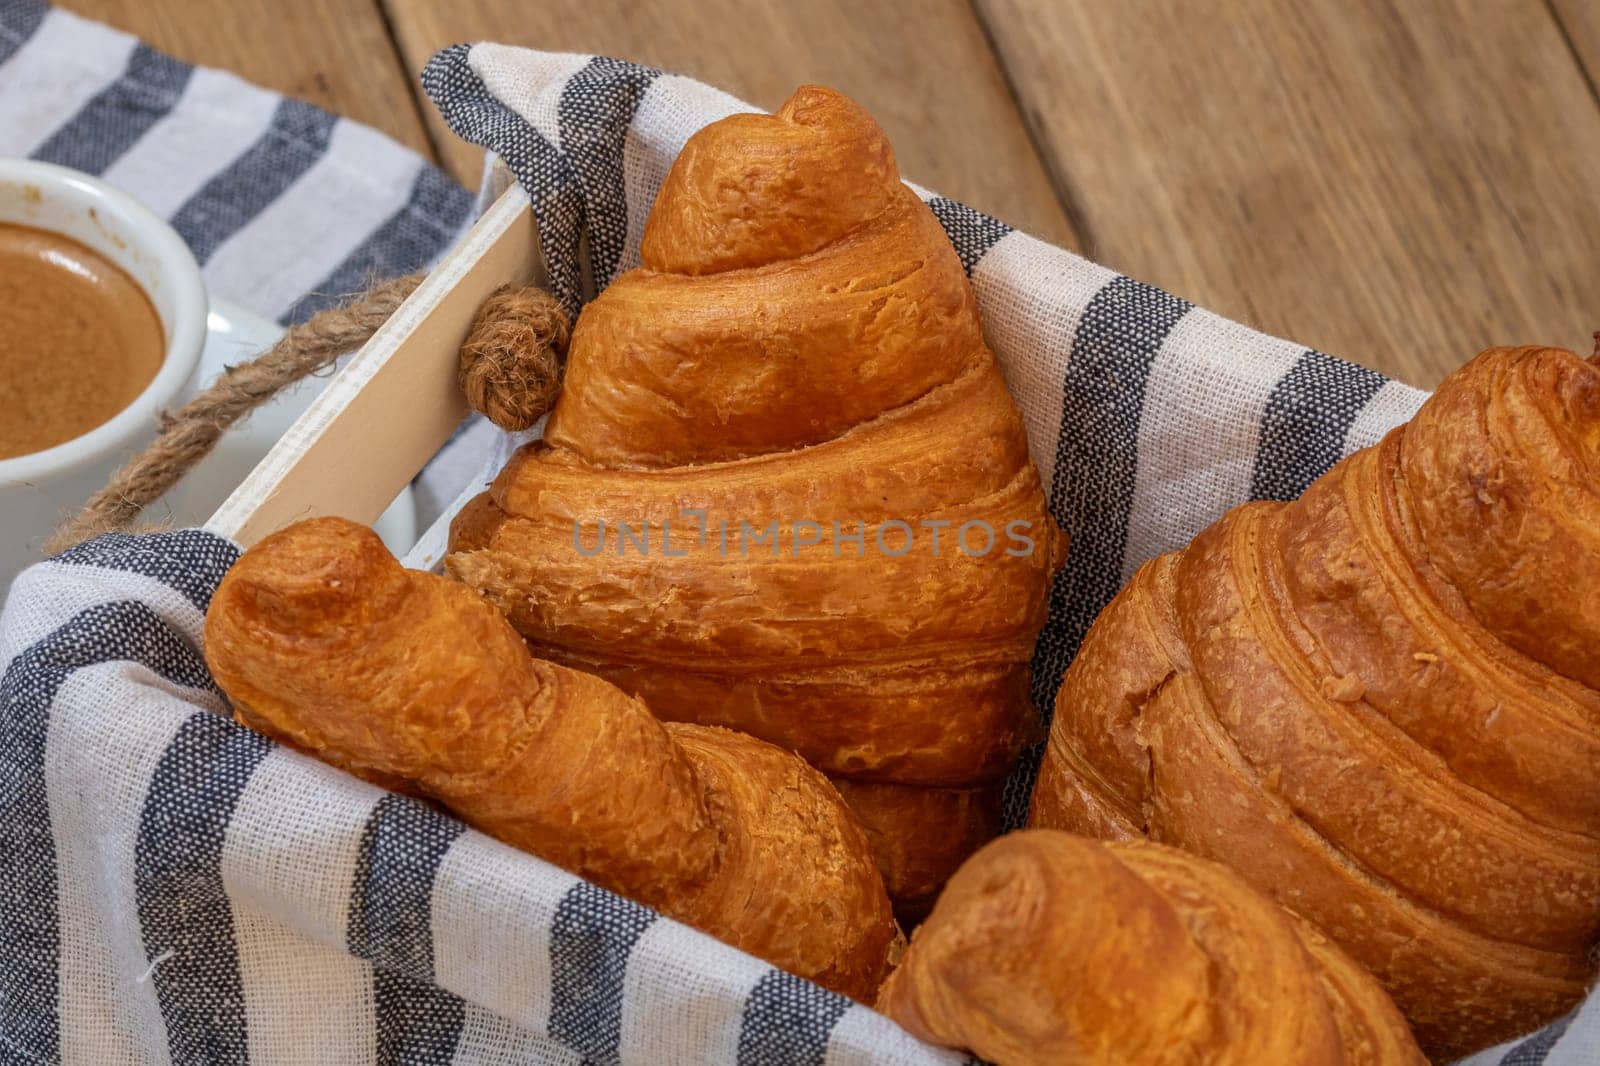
[510,364]
[509,367]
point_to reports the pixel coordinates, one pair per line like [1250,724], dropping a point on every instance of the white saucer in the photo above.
[236,335]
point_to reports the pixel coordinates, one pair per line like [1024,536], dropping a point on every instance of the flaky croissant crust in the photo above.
[322,640]
[1379,702]
[1051,948]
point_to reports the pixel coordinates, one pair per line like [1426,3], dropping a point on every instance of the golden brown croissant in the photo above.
[1051,948]
[1379,702]
[796,386]
[321,639]
[920,836]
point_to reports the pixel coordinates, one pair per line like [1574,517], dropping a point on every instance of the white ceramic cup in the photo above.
[39,489]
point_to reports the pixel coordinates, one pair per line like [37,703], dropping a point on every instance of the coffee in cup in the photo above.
[79,339]
[102,320]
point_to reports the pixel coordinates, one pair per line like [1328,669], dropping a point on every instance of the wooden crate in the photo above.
[396,402]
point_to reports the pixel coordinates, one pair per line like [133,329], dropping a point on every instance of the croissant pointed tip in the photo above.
[314,574]
[809,96]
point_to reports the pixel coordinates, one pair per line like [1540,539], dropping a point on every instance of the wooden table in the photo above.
[1401,182]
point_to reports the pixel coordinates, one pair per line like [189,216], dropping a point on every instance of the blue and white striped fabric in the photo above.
[175,888]
[285,206]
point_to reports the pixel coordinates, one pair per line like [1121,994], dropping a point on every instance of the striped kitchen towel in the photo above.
[175,888]
[285,206]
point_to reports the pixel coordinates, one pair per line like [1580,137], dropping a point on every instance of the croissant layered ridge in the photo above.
[793,288]
[321,640]
[1376,701]
[785,490]
[1514,521]
[1047,947]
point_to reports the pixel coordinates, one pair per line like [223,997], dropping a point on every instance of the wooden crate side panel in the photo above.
[396,402]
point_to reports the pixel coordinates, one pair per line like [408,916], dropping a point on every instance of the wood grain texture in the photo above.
[1400,184]
[336,54]
[924,69]
[1580,19]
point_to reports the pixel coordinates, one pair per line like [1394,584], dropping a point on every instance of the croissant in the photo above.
[322,640]
[784,489]
[921,835]
[1050,948]
[1381,702]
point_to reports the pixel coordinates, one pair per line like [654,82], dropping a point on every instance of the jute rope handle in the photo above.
[509,368]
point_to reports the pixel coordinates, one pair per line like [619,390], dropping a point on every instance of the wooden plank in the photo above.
[336,54]
[1400,184]
[924,69]
[1580,19]
[408,365]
